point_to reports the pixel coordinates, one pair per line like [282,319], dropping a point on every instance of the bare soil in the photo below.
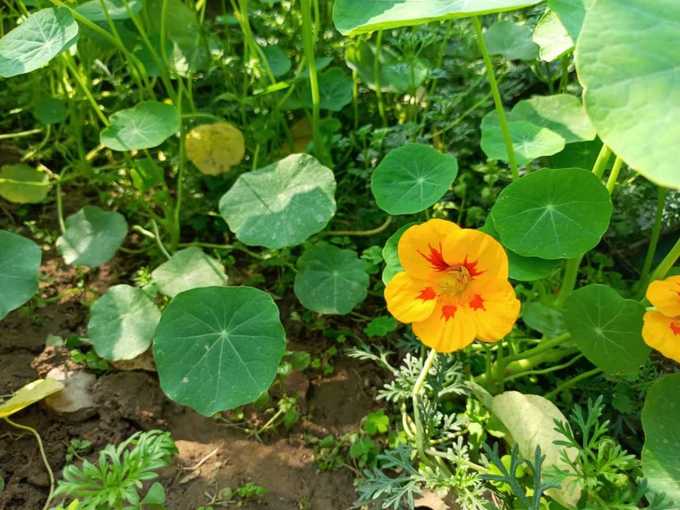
[212,454]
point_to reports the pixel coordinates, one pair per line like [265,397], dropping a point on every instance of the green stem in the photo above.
[86,90]
[417,388]
[656,234]
[554,368]
[157,236]
[177,225]
[376,77]
[543,346]
[20,134]
[308,40]
[614,175]
[601,161]
[571,382]
[667,262]
[360,233]
[493,83]
[43,456]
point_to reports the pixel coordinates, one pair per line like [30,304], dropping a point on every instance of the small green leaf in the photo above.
[553,214]
[279,61]
[117,9]
[607,329]
[552,37]
[352,17]
[529,140]
[122,323]
[281,204]
[511,40]
[49,110]
[330,280]
[411,178]
[335,89]
[92,236]
[188,269]
[376,423]
[543,318]
[19,271]
[634,105]
[660,419]
[391,256]
[146,125]
[381,326]
[41,37]
[217,348]
[23,184]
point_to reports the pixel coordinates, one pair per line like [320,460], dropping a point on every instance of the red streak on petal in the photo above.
[448,312]
[675,328]
[427,294]
[435,258]
[471,267]
[477,302]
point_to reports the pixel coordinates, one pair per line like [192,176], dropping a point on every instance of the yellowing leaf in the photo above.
[215,148]
[29,394]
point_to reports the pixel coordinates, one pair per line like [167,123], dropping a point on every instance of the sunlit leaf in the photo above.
[116,9]
[29,394]
[188,269]
[23,184]
[215,148]
[146,125]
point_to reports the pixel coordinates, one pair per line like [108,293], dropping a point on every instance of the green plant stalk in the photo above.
[376,78]
[571,382]
[493,83]
[417,389]
[86,90]
[252,48]
[662,193]
[176,224]
[43,456]
[516,367]
[572,266]
[360,233]
[554,368]
[614,175]
[308,41]
[671,258]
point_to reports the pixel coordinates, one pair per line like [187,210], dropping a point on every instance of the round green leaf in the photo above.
[552,37]
[335,90]
[634,104]
[281,204]
[331,280]
[553,214]
[117,9]
[188,269]
[278,60]
[122,323]
[511,40]
[49,110]
[92,236]
[218,348]
[529,140]
[660,419]
[562,113]
[19,270]
[391,255]
[23,184]
[146,125]
[607,329]
[411,178]
[352,17]
[523,269]
[41,37]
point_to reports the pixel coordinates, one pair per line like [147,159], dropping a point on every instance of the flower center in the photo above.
[454,281]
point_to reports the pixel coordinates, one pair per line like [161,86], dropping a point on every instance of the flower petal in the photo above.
[481,254]
[494,308]
[665,295]
[420,251]
[409,299]
[663,334]
[450,327]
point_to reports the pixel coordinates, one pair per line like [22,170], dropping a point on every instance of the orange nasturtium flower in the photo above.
[454,287]
[661,329]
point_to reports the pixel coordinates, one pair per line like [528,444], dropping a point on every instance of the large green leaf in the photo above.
[116,9]
[281,204]
[530,421]
[396,73]
[330,280]
[571,13]
[411,178]
[552,37]
[511,40]
[390,254]
[146,125]
[218,348]
[562,113]
[352,17]
[188,269]
[607,329]
[122,323]
[628,61]
[553,214]
[19,270]
[92,236]
[40,38]
[23,184]
[661,423]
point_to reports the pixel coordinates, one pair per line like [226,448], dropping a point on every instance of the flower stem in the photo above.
[571,382]
[376,77]
[361,233]
[667,262]
[493,83]
[656,234]
[417,388]
[614,175]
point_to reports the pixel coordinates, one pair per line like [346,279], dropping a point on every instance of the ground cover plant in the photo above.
[463,215]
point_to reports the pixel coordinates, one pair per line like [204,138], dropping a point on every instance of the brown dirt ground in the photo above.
[131,401]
